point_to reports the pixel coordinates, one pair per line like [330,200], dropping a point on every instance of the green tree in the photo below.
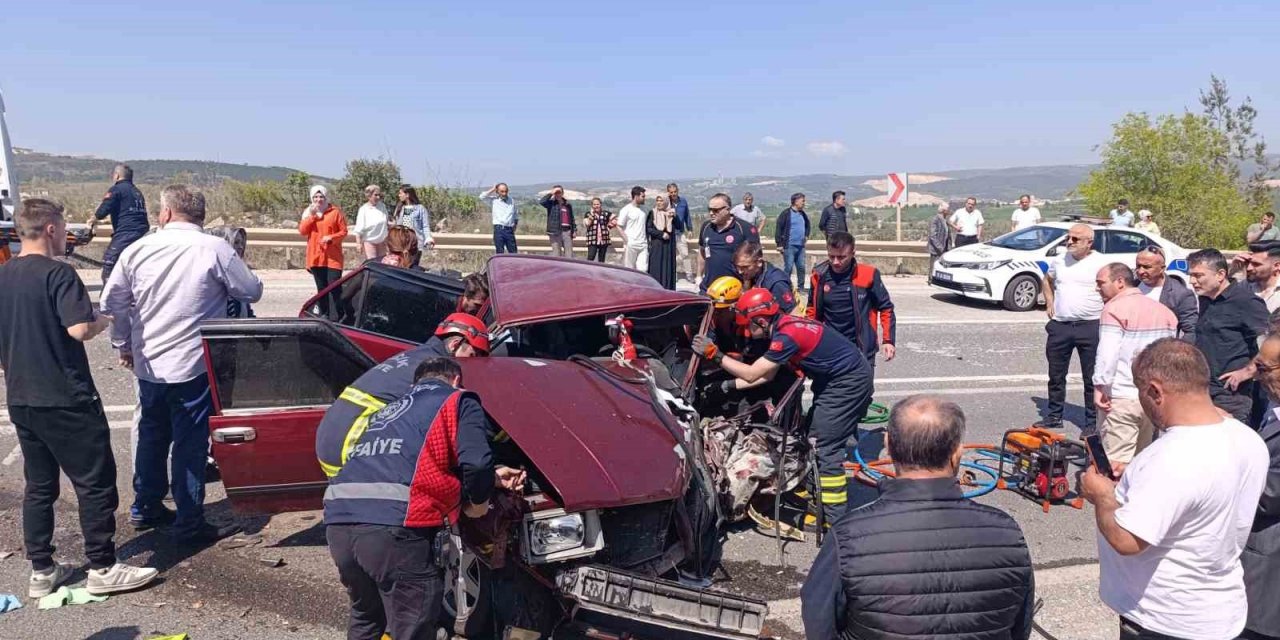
[362,172]
[1170,166]
[262,196]
[297,186]
[1246,147]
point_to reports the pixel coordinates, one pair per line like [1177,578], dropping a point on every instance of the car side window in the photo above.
[263,372]
[402,308]
[1123,242]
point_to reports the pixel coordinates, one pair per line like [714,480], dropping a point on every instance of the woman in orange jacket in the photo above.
[325,227]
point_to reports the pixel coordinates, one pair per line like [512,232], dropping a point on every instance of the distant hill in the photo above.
[37,166]
[1005,185]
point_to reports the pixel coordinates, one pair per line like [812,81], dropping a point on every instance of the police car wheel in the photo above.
[1022,293]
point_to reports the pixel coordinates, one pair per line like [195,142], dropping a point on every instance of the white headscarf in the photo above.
[320,190]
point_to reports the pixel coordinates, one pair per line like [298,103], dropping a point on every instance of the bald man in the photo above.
[1073,304]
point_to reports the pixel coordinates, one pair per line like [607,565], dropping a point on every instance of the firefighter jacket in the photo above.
[861,291]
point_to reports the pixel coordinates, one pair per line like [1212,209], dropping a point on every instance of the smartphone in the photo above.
[1099,456]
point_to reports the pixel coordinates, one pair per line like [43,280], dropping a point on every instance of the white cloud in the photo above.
[827,149]
[770,141]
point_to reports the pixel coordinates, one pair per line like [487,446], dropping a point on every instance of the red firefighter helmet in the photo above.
[471,329]
[755,303]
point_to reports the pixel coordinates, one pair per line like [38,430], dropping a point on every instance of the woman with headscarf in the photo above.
[411,213]
[371,224]
[1145,223]
[662,225]
[325,227]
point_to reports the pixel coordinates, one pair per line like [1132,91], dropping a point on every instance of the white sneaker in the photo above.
[44,583]
[119,577]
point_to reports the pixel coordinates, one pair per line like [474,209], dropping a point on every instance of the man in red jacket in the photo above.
[851,298]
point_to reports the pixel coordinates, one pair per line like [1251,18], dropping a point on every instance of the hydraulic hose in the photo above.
[872,472]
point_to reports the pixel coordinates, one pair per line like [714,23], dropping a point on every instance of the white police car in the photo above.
[1010,268]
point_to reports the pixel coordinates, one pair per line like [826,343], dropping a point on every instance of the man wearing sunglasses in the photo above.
[718,239]
[1171,293]
[1073,305]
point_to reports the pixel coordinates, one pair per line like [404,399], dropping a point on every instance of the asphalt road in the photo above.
[988,360]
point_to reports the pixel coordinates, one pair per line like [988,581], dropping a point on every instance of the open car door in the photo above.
[272,381]
[385,310]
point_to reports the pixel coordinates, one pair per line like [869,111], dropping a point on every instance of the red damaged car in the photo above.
[619,529]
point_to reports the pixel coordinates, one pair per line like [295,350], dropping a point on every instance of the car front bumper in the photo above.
[964,282]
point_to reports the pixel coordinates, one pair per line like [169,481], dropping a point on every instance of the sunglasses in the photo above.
[716,209]
[1153,249]
[1071,239]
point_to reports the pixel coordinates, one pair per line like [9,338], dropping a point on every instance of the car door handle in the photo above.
[232,435]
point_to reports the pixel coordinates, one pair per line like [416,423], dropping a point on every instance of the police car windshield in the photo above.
[1029,239]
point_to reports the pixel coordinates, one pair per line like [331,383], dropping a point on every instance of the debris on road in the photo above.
[180,636]
[67,596]
[9,602]
[271,561]
[5,555]
[240,541]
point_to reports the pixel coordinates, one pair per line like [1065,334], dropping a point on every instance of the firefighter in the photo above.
[460,335]
[724,292]
[424,458]
[127,209]
[851,298]
[842,382]
[755,272]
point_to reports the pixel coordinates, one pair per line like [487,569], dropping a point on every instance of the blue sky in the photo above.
[475,92]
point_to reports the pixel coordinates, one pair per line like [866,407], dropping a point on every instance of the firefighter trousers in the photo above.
[838,406]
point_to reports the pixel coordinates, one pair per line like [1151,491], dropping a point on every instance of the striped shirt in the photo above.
[1129,322]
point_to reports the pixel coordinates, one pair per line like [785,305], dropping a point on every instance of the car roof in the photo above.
[525,288]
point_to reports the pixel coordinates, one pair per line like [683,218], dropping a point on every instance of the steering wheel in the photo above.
[641,350]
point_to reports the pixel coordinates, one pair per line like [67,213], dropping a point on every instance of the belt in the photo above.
[505,226]
[1073,322]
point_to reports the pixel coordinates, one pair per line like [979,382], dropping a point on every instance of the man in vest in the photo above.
[424,458]
[842,382]
[922,560]
[756,273]
[460,335]
[851,298]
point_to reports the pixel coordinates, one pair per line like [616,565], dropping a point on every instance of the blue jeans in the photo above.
[174,415]
[793,256]
[504,239]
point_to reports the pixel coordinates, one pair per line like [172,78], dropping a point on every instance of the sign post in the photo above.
[898,194]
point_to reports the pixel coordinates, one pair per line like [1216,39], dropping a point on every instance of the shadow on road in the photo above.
[1072,413]
[116,633]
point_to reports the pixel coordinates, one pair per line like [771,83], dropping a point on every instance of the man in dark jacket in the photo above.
[791,235]
[834,216]
[1171,293]
[127,209]
[423,459]
[888,570]
[939,236]
[1231,320]
[852,299]
[559,222]
[1261,557]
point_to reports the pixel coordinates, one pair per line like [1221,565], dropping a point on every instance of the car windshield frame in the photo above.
[1029,239]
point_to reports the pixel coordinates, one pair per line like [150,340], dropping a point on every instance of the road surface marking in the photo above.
[111,408]
[6,429]
[1037,377]
[962,391]
[13,456]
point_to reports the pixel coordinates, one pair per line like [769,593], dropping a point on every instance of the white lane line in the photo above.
[6,429]
[1037,377]
[961,391]
[1028,321]
[111,408]
[13,456]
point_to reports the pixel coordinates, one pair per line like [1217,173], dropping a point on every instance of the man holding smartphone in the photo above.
[1172,529]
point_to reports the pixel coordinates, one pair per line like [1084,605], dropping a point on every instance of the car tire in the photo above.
[1022,293]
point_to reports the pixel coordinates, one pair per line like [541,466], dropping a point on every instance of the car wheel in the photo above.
[464,576]
[1022,293]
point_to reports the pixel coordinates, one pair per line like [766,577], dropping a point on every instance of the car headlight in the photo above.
[556,534]
[988,266]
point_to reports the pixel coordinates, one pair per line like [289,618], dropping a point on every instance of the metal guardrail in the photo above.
[540,243]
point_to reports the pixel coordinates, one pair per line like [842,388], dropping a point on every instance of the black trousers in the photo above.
[1238,403]
[838,406]
[75,441]
[119,242]
[1133,631]
[965,240]
[597,252]
[504,239]
[325,277]
[1080,336]
[391,577]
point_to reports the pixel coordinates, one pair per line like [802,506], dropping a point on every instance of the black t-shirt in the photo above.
[718,246]
[43,366]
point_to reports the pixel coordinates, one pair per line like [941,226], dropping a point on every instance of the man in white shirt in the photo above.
[505,217]
[968,223]
[1121,216]
[635,242]
[1073,305]
[1171,531]
[1025,215]
[162,288]
[748,212]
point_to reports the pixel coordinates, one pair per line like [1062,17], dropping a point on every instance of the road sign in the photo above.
[897,186]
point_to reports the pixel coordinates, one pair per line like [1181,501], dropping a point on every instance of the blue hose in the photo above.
[981,490]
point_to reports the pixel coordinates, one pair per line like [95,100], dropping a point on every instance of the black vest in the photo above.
[922,561]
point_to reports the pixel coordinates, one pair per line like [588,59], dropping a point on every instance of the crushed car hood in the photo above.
[525,289]
[596,439]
